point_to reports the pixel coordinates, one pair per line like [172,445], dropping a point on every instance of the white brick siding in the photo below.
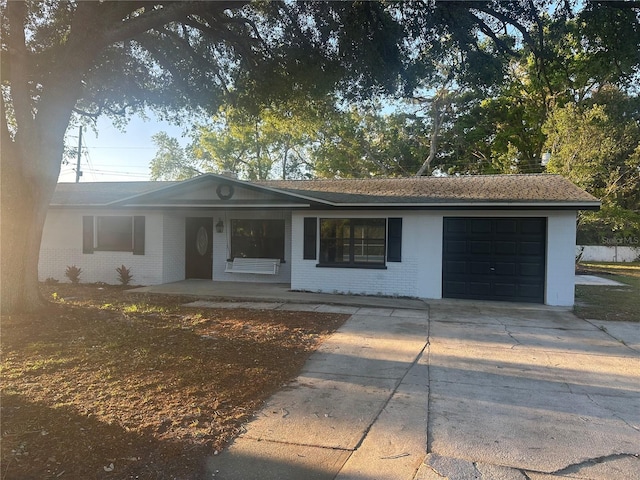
[420,272]
[398,279]
[173,247]
[418,275]
[61,247]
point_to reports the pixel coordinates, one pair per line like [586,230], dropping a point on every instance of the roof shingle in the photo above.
[479,189]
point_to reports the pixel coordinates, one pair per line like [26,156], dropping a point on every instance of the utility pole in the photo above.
[78,171]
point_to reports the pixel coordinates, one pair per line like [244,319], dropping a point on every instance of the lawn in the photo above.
[610,303]
[109,385]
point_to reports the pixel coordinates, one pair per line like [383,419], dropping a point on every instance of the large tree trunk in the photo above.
[30,158]
[29,166]
[24,204]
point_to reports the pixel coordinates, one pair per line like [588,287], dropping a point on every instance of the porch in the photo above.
[272,292]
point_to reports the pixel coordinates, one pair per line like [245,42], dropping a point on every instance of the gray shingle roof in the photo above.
[478,190]
[473,189]
[101,193]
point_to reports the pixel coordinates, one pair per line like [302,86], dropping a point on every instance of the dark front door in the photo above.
[199,252]
[494,258]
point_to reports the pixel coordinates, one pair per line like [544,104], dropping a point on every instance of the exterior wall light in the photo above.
[220,226]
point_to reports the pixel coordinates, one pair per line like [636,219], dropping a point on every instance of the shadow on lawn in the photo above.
[41,442]
[152,391]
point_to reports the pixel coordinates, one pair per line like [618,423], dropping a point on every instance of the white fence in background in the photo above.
[602,253]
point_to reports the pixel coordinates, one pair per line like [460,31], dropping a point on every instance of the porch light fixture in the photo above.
[220,226]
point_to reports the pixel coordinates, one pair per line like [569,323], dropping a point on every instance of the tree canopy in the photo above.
[505,65]
[67,60]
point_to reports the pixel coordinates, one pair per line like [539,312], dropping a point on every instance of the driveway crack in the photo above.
[510,334]
[613,412]
[576,467]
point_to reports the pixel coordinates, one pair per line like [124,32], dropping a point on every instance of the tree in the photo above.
[360,144]
[596,144]
[520,60]
[171,162]
[62,59]
[265,141]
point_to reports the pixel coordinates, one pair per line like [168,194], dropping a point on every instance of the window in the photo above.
[113,234]
[257,239]
[352,241]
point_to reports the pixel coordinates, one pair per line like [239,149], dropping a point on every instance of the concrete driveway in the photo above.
[461,390]
[531,392]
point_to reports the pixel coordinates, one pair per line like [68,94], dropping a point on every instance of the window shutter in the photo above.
[138,235]
[310,234]
[87,234]
[394,240]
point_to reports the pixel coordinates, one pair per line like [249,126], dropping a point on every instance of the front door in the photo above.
[199,251]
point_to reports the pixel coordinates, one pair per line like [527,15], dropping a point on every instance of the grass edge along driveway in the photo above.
[610,303]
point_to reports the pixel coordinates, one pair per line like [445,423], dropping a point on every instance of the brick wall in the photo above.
[398,279]
[61,246]
[173,248]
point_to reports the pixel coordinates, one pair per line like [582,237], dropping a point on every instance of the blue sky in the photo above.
[112,155]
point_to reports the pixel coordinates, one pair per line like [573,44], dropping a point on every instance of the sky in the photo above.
[115,156]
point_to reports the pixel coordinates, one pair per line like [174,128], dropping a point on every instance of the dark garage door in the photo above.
[494,258]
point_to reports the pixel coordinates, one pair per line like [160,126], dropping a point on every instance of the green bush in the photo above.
[124,275]
[73,273]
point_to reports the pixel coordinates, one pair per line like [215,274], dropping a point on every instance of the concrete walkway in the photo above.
[357,410]
[272,293]
[465,390]
[595,280]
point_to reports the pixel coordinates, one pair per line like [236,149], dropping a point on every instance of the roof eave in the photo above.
[591,205]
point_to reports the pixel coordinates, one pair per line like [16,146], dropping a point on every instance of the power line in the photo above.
[90,167]
[124,174]
[127,148]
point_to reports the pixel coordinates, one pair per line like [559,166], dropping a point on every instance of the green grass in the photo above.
[620,303]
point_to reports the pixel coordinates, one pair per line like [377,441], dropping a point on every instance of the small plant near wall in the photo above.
[50,281]
[124,275]
[73,273]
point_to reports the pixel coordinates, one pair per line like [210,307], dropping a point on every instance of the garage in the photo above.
[494,258]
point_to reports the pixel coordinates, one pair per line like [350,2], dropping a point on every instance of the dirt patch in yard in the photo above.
[108,385]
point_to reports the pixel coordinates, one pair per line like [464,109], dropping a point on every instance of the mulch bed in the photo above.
[107,385]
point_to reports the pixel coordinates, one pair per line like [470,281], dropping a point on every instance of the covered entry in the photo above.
[494,258]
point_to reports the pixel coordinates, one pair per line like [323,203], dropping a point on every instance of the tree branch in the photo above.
[100,110]
[223,34]
[20,89]
[506,20]
[484,28]
[172,12]
[152,47]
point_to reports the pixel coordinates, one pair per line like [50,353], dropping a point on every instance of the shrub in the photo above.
[124,275]
[73,273]
[50,281]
